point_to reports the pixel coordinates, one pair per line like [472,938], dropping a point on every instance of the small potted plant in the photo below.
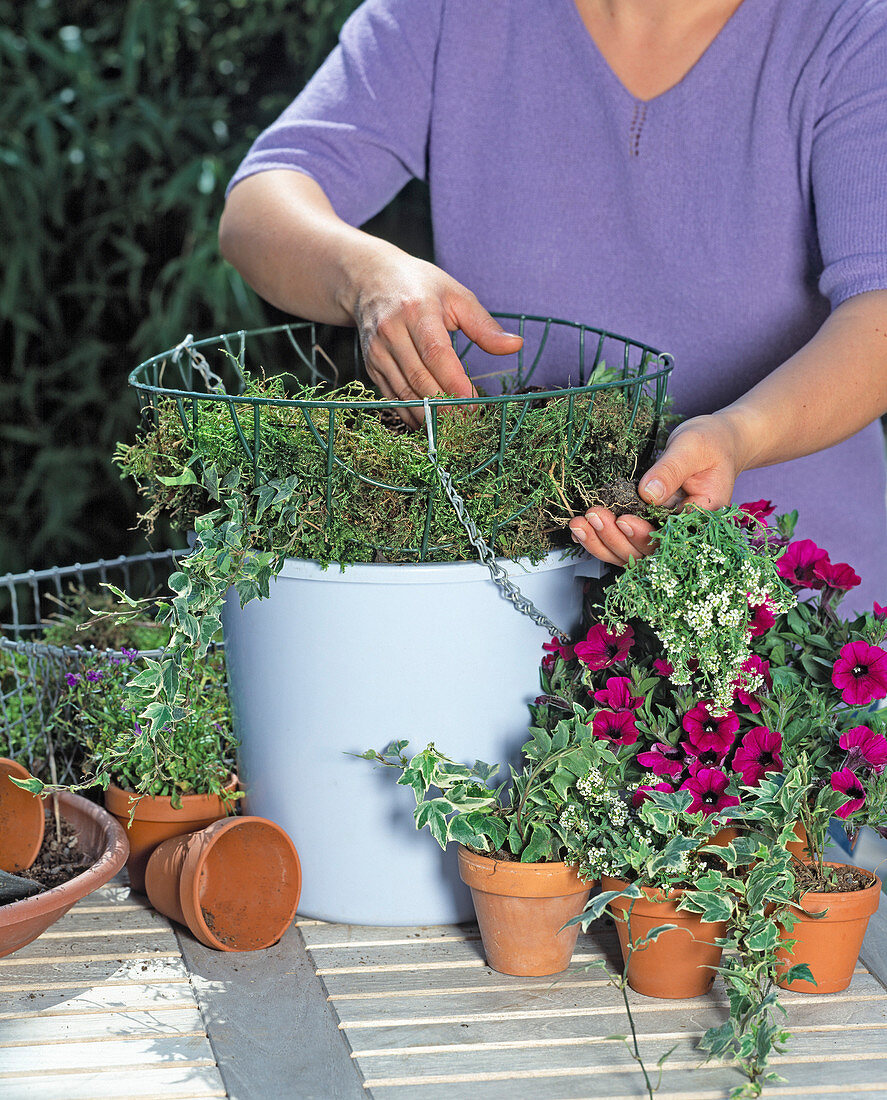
[156,789]
[511,838]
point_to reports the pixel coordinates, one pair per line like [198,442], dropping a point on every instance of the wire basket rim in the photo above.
[663,360]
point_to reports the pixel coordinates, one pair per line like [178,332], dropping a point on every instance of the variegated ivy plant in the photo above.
[230,551]
[517,817]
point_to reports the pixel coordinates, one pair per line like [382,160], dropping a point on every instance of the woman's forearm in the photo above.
[280,231]
[829,390]
[282,234]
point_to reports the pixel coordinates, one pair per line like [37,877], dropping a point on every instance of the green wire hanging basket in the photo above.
[511,455]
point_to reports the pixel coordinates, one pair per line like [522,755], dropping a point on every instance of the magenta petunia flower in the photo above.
[615,726]
[617,694]
[754,665]
[600,649]
[759,509]
[879,612]
[762,618]
[708,788]
[758,753]
[557,649]
[860,673]
[838,575]
[663,667]
[709,731]
[864,746]
[847,781]
[643,792]
[798,564]
[663,759]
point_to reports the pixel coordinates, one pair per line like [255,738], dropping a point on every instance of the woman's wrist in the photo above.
[745,433]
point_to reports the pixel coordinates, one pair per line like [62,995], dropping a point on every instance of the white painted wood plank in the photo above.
[465,982]
[128,1024]
[324,932]
[563,1004]
[651,1020]
[595,1052]
[170,1082]
[37,974]
[119,1054]
[95,998]
[680,1079]
[100,920]
[154,941]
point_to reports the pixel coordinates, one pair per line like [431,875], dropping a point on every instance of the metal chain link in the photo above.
[198,361]
[509,589]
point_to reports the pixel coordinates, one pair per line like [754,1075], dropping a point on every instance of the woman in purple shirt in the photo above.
[707,176]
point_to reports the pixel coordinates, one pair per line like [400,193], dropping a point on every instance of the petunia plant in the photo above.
[806,684]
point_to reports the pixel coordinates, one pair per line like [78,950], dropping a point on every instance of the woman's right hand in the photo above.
[281,233]
[405,310]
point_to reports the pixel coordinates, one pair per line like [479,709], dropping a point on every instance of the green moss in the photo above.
[382,498]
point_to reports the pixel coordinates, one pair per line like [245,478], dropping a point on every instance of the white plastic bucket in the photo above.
[337,662]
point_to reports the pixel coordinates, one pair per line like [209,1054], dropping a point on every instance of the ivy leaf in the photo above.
[186,477]
[538,847]
[652,936]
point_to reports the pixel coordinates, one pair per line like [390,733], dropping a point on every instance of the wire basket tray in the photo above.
[197,375]
[32,672]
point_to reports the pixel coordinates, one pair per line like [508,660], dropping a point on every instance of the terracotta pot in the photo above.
[235,884]
[679,963]
[104,839]
[829,945]
[155,820]
[21,820]
[521,910]
[724,836]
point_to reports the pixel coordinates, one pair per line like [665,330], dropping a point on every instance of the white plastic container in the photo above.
[337,662]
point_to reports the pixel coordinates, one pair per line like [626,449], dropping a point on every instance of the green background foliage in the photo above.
[120,125]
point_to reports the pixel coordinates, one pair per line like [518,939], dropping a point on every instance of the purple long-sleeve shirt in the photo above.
[720,221]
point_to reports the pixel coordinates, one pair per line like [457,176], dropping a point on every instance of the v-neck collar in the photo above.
[589,47]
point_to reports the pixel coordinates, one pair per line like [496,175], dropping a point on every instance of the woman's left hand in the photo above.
[699,466]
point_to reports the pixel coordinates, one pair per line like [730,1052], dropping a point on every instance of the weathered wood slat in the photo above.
[584,1003]
[316,933]
[153,941]
[99,920]
[685,1080]
[168,1082]
[127,996]
[596,1052]
[68,974]
[91,1026]
[37,1059]
[464,982]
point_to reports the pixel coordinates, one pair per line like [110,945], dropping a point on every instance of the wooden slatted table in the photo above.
[101,1006]
[426,1019]
[112,1002]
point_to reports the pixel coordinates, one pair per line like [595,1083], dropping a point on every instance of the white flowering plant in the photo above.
[657,843]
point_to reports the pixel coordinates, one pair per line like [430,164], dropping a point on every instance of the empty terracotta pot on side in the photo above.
[21,820]
[679,963]
[235,884]
[829,945]
[99,835]
[155,820]
[521,910]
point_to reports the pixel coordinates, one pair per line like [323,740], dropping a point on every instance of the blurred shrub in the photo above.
[120,124]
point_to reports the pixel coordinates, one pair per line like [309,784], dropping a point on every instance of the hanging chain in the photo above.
[198,361]
[509,589]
